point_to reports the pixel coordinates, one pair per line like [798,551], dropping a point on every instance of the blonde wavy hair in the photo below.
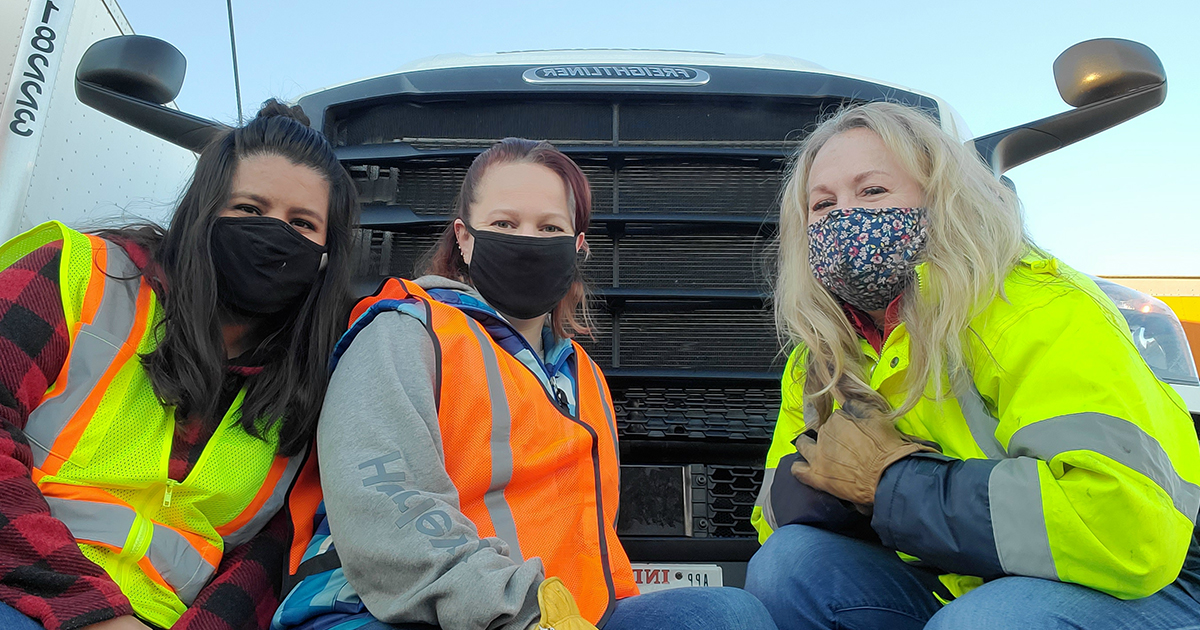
[976,235]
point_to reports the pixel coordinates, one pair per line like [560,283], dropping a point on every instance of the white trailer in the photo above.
[60,159]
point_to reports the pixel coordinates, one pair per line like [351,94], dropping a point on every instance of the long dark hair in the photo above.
[188,366]
[445,260]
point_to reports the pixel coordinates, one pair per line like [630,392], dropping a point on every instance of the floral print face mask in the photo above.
[866,256]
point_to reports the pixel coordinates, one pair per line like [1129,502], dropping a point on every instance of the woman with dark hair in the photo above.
[159,390]
[468,445]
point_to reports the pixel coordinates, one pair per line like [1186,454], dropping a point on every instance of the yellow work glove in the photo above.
[853,448]
[559,611]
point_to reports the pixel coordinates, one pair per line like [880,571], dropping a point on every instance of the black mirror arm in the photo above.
[1014,146]
[179,128]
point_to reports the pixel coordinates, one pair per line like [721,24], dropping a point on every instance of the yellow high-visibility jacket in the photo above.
[1065,457]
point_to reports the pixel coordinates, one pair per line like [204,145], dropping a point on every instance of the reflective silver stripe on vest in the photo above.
[502,456]
[810,414]
[1018,523]
[980,421]
[608,412]
[95,347]
[179,564]
[764,498]
[269,508]
[175,559]
[90,521]
[612,424]
[1119,440]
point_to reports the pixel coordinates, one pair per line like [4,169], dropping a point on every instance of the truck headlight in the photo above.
[1157,333]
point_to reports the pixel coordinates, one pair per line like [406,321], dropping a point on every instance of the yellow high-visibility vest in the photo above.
[101,442]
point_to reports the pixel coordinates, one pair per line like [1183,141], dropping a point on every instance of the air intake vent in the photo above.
[713,121]
[732,491]
[454,123]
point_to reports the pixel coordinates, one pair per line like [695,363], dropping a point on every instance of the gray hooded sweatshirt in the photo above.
[393,512]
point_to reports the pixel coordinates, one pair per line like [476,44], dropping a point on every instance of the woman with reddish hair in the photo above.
[468,447]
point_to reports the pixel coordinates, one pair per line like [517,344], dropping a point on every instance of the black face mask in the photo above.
[263,265]
[522,276]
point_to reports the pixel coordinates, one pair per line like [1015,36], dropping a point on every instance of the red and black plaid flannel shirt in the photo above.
[43,574]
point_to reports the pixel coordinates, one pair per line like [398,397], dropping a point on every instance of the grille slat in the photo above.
[734,413]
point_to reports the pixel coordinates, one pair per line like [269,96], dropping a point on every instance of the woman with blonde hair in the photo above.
[968,436]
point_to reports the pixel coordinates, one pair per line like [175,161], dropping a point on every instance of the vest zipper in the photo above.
[135,548]
[168,492]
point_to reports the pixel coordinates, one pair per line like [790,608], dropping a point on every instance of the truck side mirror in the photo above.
[1107,81]
[1100,69]
[137,66]
[132,78]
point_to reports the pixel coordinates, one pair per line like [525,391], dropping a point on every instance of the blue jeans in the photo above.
[10,619]
[691,609]
[813,579]
[676,609]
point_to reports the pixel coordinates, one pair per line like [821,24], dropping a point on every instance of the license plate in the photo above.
[652,577]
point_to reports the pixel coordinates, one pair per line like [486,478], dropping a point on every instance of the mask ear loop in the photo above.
[324,261]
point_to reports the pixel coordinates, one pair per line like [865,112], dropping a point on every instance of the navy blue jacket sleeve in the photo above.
[793,502]
[937,509]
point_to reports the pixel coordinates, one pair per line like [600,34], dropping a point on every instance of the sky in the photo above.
[1124,202]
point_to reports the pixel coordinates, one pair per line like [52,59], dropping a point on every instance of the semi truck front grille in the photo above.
[677,294]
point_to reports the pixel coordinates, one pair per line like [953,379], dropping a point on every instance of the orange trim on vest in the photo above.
[553,482]
[147,567]
[303,501]
[278,467]
[73,431]
[73,492]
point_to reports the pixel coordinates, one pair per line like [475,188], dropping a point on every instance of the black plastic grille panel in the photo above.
[699,188]
[475,123]
[699,340]
[695,261]
[738,120]
[732,413]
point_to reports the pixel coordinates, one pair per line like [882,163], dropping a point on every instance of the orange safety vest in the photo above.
[101,442]
[542,481]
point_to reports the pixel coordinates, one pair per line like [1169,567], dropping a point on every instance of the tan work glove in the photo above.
[853,448]
[559,610]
